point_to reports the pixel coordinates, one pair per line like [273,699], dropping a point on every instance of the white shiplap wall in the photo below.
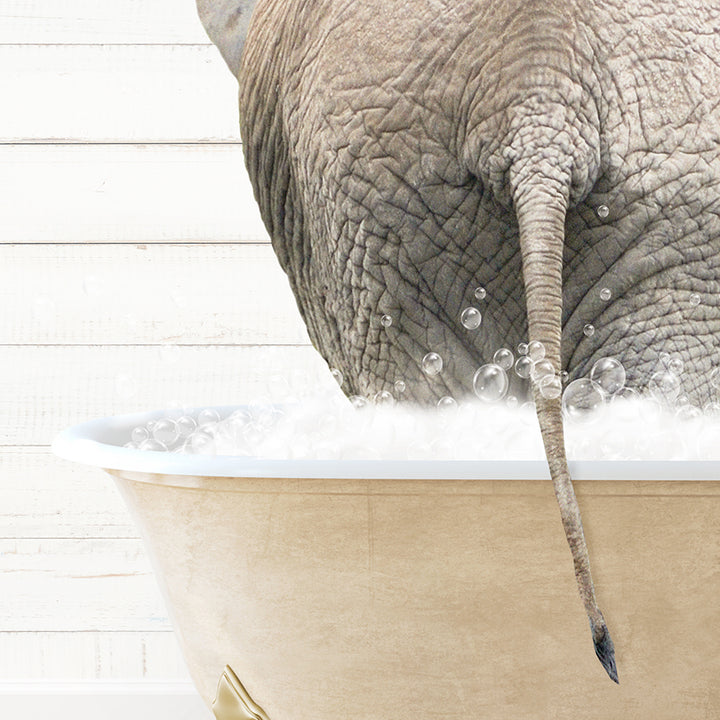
[136,274]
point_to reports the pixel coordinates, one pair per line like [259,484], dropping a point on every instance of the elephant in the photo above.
[563,156]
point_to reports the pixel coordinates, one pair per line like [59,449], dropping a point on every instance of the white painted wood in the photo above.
[127,193]
[78,585]
[90,21]
[130,294]
[44,497]
[91,655]
[45,389]
[109,701]
[116,93]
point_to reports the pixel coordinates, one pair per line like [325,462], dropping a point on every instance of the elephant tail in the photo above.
[540,199]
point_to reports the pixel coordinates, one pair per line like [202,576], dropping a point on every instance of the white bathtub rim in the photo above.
[95,442]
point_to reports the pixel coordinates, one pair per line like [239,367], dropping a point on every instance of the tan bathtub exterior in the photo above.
[453,599]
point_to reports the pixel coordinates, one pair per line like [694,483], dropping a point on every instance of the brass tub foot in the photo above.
[232,701]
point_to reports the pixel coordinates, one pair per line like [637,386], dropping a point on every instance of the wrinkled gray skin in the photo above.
[403,153]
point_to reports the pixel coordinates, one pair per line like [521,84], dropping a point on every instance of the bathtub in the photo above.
[310,590]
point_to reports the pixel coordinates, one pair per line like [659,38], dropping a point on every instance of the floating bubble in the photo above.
[603,211]
[490,383]
[154,445]
[675,364]
[511,401]
[589,330]
[688,412]
[541,369]
[185,425]
[550,387]
[711,408]
[535,350]
[605,294]
[202,442]
[504,358]
[522,348]
[384,397]
[208,416]
[609,374]
[624,393]
[399,386]
[694,299]
[139,434]
[358,401]
[337,376]
[715,378]
[447,403]
[581,398]
[165,431]
[480,293]
[523,366]
[664,386]
[386,321]
[432,364]
[471,318]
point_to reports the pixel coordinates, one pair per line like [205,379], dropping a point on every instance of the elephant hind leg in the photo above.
[540,201]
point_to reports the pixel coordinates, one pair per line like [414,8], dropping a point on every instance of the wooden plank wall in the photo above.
[136,274]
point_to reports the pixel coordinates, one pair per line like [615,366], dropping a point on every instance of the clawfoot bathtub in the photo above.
[311,590]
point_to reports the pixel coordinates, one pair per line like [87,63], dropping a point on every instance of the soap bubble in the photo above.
[337,376]
[609,374]
[383,397]
[386,321]
[603,211]
[447,403]
[202,442]
[688,412]
[675,364]
[589,330]
[185,425]
[208,416]
[154,445]
[694,299]
[504,358]
[523,366]
[715,378]
[358,401]
[624,393]
[664,386]
[605,294]
[432,364]
[550,386]
[522,348]
[165,431]
[540,370]
[139,434]
[535,350]
[471,318]
[480,293]
[490,383]
[399,386]
[581,398]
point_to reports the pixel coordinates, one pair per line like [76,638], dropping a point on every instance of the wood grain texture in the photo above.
[117,93]
[146,294]
[47,388]
[89,21]
[45,497]
[78,585]
[127,193]
[90,655]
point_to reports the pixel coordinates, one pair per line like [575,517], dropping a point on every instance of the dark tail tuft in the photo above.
[605,650]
